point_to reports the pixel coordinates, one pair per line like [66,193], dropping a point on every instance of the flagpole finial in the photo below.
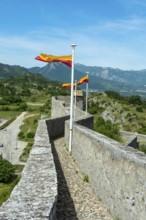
[73,45]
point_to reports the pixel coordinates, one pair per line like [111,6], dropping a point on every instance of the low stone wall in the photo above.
[133,142]
[86,121]
[58,108]
[128,135]
[61,107]
[65,99]
[117,173]
[79,113]
[55,126]
[35,195]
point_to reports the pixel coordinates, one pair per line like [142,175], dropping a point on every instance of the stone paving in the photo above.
[76,200]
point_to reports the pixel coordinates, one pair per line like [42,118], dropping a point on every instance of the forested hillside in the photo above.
[7,71]
[16,92]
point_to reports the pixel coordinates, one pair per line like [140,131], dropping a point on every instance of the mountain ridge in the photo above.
[97,81]
[100,78]
[138,76]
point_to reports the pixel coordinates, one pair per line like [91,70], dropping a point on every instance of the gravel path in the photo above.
[76,200]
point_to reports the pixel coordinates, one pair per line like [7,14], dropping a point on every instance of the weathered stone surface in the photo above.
[35,195]
[117,173]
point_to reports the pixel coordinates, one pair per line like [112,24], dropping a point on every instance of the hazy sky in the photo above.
[108,33]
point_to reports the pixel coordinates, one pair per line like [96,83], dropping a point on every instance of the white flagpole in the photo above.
[87,95]
[75,97]
[75,93]
[71,98]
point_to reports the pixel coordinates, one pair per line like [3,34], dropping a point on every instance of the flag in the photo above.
[68,85]
[51,58]
[82,80]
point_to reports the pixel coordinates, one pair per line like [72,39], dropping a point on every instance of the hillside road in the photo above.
[12,148]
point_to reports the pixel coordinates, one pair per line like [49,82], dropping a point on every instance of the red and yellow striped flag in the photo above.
[68,85]
[51,58]
[82,80]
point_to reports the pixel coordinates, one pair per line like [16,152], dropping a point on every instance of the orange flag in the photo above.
[51,58]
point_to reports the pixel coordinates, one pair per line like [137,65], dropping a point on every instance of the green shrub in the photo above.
[5,108]
[23,106]
[107,128]
[30,134]
[21,135]
[139,109]
[6,170]
[142,148]
[7,123]
[94,108]
[86,179]
[35,121]
[135,99]
[116,218]
[25,153]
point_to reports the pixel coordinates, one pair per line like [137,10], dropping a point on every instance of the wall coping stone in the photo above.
[121,151]
[34,197]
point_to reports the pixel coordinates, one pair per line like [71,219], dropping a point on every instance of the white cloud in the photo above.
[95,47]
[131,24]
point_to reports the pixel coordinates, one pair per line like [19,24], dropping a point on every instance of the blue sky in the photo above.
[108,33]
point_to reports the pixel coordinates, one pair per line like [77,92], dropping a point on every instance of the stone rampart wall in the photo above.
[65,99]
[55,126]
[58,108]
[117,173]
[35,195]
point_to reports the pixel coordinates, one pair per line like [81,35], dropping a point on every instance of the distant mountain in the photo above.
[57,71]
[7,71]
[100,79]
[61,72]
[137,78]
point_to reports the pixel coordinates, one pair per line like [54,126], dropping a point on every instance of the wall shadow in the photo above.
[65,209]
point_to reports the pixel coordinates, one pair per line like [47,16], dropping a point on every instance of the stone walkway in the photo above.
[76,200]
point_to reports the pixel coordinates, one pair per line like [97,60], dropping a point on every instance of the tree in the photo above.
[6,170]
[135,99]
[23,106]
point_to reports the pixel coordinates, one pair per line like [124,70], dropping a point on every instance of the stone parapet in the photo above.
[128,135]
[59,108]
[116,172]
[35,195]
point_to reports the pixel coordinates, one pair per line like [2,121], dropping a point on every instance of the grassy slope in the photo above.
[124,115]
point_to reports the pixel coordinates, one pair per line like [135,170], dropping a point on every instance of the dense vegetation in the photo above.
[6,170]
[26,92]
[18,92]
[8,178]
[113,112]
